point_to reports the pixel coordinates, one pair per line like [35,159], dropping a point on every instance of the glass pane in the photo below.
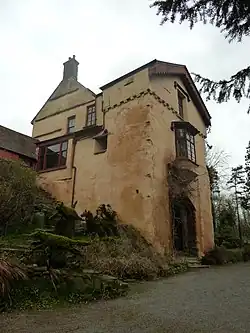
[91,115]
[63,158]
[93,119]
[72,122]
[53,149]
[52,156]
[181,148]
[65,146]
[181,133]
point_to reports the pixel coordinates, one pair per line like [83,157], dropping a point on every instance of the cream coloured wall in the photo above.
[67,101]
[56,125]
[164,87]
[119,176]
[126,88]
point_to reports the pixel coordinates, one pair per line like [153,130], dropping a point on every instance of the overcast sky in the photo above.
[109,38]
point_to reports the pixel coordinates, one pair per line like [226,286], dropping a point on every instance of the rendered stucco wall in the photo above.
[132,174]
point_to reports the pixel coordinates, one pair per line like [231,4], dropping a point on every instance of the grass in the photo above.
[14,241]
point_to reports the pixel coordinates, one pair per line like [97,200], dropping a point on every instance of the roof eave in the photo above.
[120,78]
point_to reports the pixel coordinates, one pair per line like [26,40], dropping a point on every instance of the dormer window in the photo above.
[91,115]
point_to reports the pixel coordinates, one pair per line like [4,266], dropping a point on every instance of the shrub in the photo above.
[9,275]
[128,256]
[19,196]
[221,256]
[235,255]
[231,243]
[135,267]
[246,252]
[41,291]
[103,223]
[215,256]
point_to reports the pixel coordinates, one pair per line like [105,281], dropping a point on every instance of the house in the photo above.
[15,145]
[139,145]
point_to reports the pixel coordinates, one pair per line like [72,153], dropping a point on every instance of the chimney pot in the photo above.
[70,68]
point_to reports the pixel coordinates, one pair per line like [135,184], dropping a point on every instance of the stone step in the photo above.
[198,266]
[191,260]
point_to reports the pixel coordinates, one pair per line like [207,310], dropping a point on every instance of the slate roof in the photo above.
[17,142]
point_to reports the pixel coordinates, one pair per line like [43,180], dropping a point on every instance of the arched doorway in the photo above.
[184,226]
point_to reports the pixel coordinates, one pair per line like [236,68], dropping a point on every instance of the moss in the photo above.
[57,240]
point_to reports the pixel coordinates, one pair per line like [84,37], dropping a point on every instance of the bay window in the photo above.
[52,156]
[185,144]
[185,140]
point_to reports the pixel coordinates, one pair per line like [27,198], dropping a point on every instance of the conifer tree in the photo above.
[232,17]
[246,197]
[236,183]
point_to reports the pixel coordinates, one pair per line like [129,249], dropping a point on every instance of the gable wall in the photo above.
[164,87]
[56,125]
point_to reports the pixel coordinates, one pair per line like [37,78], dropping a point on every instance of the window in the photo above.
[181,100]
[101,142]
[52,156]
[91,115]
[71,124]
[185,144]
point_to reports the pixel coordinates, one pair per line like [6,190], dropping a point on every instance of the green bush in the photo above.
[246,252]
[235,255]
[221,256]
[69,288]
[103,223]
[19,196]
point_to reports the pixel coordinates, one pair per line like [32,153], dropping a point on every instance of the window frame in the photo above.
[68,124]
[42,157]
[185,144]
[92,121]
[181,103]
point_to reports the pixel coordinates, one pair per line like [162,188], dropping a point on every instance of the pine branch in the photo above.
[231,16]
[233,19]
[237,86]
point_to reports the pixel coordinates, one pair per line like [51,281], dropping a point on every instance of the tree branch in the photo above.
[237,86]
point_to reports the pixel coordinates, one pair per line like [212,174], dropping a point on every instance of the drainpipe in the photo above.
[103,115]
[73,186]
[74,168]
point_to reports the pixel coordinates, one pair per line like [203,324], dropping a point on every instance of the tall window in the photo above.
[71,124]
[53,156]
[181,100]
[91,115]
[185,144]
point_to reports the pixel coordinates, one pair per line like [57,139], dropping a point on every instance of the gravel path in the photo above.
[209,300]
